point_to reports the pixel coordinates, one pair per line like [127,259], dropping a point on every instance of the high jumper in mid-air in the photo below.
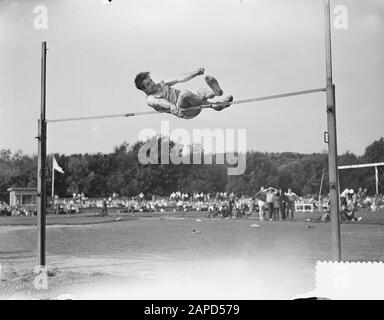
[181,103]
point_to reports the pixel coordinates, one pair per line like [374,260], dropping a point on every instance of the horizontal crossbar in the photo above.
[134,114]
[356,166]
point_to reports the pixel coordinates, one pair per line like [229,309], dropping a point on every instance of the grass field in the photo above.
[159,257]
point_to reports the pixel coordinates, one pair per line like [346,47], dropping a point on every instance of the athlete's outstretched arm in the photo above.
[161,105]
[187,77]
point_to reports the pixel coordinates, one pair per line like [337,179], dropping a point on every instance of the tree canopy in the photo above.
[100,175]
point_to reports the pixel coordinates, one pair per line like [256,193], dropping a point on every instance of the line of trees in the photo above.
[100,175]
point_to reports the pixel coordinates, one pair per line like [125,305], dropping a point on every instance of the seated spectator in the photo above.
[348,205]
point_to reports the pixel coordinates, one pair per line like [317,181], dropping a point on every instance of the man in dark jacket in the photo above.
[282,204]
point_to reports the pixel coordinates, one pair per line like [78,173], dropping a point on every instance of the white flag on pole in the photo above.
[56,166]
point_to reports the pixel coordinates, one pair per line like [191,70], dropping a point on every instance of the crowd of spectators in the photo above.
[281,205]
[269,203]
[361,199]
[7,210]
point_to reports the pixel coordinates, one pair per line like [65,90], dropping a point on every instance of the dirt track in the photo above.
[162,258]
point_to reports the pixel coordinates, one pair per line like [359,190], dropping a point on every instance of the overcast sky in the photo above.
[253,47]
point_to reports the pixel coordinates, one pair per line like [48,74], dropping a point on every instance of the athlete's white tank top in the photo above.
[168,93]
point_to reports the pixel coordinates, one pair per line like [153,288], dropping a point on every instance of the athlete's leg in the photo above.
[227,100]
[214,90]
[214,85]
[204,93]
[188,99]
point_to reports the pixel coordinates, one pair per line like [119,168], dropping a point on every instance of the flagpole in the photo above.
[53,178]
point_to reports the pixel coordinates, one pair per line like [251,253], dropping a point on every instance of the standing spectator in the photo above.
[270,197]
[364,194]
[276,206]
[282,204]
[104,211]
[232,199]
[2,208]
[261,198]
[291,198]
[360,197]
[56,205]
[250,206]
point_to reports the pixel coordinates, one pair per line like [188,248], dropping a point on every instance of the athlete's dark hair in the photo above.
[139,80]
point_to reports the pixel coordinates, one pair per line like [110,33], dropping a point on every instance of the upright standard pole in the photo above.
[377,180]
[332,143]
[41,167]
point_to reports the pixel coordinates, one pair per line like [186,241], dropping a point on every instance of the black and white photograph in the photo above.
[192,151]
